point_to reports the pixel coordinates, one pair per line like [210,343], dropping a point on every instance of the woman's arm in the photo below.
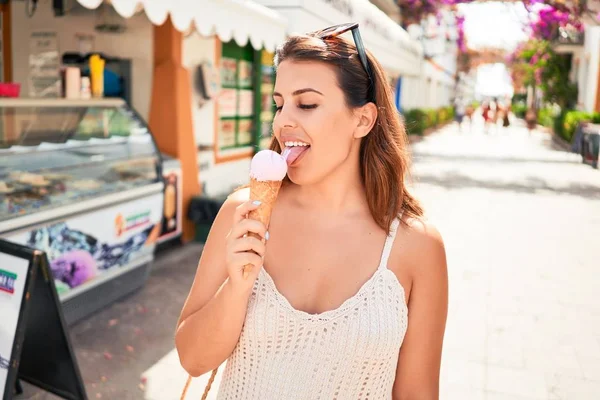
[418,373]
[213,315]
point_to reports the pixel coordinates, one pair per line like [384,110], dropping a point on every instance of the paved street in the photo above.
[521,222]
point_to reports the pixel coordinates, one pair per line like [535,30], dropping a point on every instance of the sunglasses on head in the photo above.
[335,31]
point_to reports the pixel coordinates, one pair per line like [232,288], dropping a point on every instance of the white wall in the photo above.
[135,43]
[197,50]
[433,88]
[222,178]
[588,69]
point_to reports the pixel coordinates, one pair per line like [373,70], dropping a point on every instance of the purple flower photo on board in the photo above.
[74,268]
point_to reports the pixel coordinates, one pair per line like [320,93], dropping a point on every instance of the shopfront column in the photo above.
[170,116]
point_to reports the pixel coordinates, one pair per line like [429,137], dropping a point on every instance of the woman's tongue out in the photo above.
[294,153]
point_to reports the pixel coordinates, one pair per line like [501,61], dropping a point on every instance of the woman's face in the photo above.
[312,116]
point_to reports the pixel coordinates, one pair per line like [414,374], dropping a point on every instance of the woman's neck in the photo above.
[340,192]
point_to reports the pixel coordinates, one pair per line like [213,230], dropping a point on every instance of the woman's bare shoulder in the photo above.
[419,247]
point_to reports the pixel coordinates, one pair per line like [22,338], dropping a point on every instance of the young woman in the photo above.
[347,298]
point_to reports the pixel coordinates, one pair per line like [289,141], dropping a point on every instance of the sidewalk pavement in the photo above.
[521,222]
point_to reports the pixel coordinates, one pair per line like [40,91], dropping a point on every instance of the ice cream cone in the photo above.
[266,192]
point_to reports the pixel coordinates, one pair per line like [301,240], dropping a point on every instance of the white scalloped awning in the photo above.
[241,20]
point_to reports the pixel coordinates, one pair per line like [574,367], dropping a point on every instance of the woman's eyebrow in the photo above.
[299,92]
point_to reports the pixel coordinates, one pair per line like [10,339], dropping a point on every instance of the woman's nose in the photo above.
[285,118]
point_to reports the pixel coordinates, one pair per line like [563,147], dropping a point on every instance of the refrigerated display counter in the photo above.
[82,180]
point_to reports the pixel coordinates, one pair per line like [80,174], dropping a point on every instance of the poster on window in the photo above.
[44,65]
[267,106]
[245,128]
[228,103]
[265,134]
[13,273]
[267,76]
[227,133]
[246,103]
[171,218]
[244,74]
[228,72]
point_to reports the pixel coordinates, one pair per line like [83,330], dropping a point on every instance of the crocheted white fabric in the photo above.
[345,354]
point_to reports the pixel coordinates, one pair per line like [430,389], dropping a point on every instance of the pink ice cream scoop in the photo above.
[268,165]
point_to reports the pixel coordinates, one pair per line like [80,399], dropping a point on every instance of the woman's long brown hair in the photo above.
[384,154]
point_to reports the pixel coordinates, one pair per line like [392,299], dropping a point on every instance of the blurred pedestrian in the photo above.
[505,117]
[459,112]
[469,112]
[486,111]
[531,120]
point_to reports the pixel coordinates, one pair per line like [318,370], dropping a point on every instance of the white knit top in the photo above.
[347,353]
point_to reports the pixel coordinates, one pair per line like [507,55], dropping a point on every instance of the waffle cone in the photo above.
[266,192]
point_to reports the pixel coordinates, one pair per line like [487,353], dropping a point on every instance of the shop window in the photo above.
[236,101]
[246,106]
[267,111]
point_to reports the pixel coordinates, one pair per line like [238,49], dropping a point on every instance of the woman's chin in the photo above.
[297,177]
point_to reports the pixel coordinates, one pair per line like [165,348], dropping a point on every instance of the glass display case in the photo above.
[54,154]
[81,180]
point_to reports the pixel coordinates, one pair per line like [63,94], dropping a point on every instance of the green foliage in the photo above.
[566,122]
[418,120]
[519,109]
[445,114]
[432,117]
[536,64]
[546,116]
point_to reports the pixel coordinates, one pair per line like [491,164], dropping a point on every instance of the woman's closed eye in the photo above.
[302,106]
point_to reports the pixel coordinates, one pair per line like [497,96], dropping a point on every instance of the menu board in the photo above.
[44,65]
[13,274]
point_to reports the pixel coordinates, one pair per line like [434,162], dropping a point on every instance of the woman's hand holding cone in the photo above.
[245,246]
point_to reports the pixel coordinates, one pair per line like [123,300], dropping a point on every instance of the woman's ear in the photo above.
[367,116]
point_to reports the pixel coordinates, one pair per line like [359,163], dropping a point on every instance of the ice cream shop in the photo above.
[129,110]
[117,106]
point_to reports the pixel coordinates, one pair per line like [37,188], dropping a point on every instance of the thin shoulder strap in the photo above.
[389,242]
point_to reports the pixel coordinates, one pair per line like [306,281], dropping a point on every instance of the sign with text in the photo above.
[34,343]
[44,64]
[13,275]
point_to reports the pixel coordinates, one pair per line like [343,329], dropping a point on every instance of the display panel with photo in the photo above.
[227,130]
[228,72]
[244,74]
[245,130]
